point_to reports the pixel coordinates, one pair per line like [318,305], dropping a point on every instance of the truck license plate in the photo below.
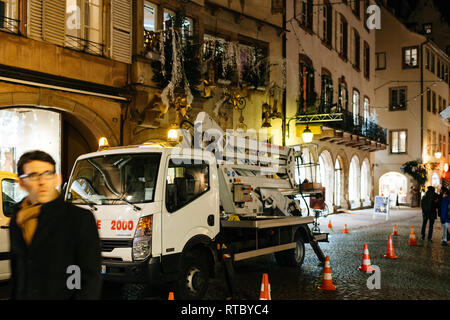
[103,269]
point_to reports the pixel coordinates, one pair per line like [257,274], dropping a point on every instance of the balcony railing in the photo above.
[351,123]
[9,24]
[360,126]
[84,45]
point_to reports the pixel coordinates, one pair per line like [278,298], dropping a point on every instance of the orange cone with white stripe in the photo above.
[345,229]
[330,226]
[390,254]
[366,265]
[327,281]
[395,233]
[265,288]
[171,296]
[412,237]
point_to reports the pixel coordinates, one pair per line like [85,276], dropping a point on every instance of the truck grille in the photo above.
[108,245]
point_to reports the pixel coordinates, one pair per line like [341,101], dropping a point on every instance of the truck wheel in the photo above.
[194,276]
[293,257]
[133,291]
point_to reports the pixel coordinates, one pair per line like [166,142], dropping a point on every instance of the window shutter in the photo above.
[121,30]
[53,23]
[35,19]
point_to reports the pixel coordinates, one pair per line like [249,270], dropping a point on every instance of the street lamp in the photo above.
[307,135]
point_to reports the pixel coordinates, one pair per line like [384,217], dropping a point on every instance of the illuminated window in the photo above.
[411,57]
[398,141]
[150,14]
[84,25]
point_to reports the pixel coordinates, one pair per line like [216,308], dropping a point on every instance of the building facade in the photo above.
[74,71]
[330,55]
[412,88]
[62,81]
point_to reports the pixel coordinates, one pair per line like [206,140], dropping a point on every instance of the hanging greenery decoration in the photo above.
[417,170]
[178,69]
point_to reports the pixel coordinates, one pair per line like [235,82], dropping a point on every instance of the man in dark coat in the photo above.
[55,247]
[429,211]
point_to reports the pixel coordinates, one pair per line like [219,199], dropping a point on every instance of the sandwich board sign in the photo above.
[381,207]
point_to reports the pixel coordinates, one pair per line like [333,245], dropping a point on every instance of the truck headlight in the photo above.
[142,242]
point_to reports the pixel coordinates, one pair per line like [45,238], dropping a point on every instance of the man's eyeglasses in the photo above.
[47,175]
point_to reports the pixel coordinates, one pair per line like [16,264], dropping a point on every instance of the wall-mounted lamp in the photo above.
[307,135]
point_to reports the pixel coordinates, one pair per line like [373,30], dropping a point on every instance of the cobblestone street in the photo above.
[420,272]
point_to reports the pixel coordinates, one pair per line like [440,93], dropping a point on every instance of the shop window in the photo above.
[397,98]
[84,26]
[185,183]
[398,141]
[11,194]
[410,57]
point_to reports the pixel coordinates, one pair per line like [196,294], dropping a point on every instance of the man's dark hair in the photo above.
[33,156]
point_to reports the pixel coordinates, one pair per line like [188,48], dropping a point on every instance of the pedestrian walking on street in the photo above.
[429,205]
[445,217]
[55,247]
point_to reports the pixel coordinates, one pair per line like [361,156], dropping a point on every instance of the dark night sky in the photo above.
[403,8]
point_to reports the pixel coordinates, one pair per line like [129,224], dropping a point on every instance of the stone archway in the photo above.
[48,99]
[80,126]
[354,182]
[326,177]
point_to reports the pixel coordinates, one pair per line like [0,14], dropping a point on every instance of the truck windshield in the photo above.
[114,179]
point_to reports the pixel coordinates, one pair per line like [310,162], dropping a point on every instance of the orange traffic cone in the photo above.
[345,229]
[412,237]
[366,265]
[327,281]
[265,288]
[171,296]
[330,226]
[390,254]
[395,233]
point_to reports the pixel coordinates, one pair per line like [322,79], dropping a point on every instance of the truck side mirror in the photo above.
[8,208]
[171,197]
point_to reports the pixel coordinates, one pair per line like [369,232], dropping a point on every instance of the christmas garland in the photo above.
[416,170]
[178,68]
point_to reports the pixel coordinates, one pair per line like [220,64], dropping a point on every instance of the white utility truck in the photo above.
[177,214]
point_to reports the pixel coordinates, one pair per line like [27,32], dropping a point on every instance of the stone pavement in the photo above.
[358,219]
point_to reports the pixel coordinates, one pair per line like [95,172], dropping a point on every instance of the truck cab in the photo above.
[157,212]
[10,194]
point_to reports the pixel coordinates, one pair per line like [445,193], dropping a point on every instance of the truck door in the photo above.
[191,202]
[10,194]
